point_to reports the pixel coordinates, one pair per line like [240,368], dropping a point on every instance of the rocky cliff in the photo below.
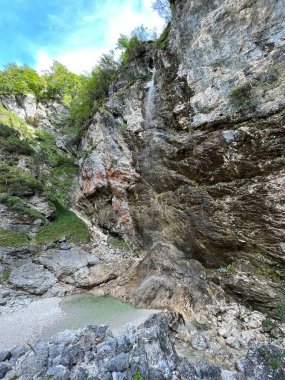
[180,177]
[186,159]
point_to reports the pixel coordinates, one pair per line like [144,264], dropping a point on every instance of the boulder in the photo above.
[32,278]
[66,262]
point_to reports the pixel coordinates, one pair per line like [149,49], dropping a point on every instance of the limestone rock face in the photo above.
[201,169]
[48,114]
[166,280]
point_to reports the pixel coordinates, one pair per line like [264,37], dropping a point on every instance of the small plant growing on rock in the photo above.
[229,269]
[279,312]
[118,243]
[123,127]
[6,274]
[274,359]
[271,324]
[138,376]
[241,96]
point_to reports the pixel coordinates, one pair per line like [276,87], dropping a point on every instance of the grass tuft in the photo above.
[66,223]
[13,238]
[118,243]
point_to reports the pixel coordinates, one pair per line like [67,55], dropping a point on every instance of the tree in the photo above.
[93,91]
[131,47]
[15,79]
[163,8]
[61,82]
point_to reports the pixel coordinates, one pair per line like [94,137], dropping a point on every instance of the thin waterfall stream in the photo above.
[149,101]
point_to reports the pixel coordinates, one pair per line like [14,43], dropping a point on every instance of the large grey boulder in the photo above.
[32,278]
[91,277]
[66,262]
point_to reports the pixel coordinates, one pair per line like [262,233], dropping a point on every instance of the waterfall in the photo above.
[149,101]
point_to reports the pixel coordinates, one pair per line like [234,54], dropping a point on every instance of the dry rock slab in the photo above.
[33,278]
[66,262]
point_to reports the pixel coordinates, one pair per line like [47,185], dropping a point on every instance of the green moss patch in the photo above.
[16,204]
[8,120]
[162,41]
[66,223]
[6,274]
[13,144]
[118,243]
[15,181]
[13,238]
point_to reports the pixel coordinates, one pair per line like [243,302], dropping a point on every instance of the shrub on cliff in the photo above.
[58,81]
[15,79]
[93,91]
[61,82]
[133,46]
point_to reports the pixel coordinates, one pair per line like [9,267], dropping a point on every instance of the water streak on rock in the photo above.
[149,101]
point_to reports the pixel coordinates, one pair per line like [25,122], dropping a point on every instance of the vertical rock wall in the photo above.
[206,173]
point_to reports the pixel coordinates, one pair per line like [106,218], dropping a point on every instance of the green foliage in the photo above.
[118,243]
[123,127]
[131,48]
[10,124]
[229,269]
[138,376]
[93,91]
[274,359]
[59,181]
[13,144]
[66,223]
[268,324]
[279,312]
[62,169]
[13,238]
[61,82]
[272,322]
[270,272]
[6,274]
[14,181]
[15,79]
[49,152]
[56,82]
[15,203]
[241,96]
[162,41]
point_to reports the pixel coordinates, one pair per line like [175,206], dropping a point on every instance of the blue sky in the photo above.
[74,32]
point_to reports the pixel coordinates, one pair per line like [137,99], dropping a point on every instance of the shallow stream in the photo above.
[46,317]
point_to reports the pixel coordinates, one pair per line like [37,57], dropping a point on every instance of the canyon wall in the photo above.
[186,158]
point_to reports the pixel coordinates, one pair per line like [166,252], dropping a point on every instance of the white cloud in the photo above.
[96,32]
[43,61]
[80,61]
[77,61]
